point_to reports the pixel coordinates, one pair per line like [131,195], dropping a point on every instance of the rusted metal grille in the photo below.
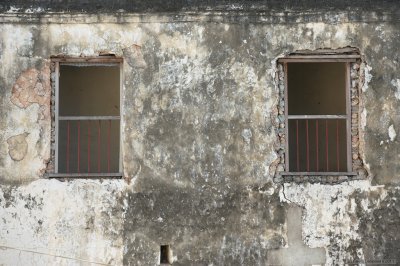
[87,117]
[317,144]
[90,146]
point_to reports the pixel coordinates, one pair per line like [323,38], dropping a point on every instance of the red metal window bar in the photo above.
[74,130]
[308,152]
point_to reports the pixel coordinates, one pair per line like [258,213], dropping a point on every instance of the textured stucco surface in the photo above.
[199,141]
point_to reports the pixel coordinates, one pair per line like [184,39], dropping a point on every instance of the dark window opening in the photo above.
[317,116]
[88,118]
[165,254]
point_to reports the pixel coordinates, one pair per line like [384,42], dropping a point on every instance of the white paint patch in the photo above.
[13,9]
[317,28]
[48,222]
[363,118]
[17,41]
[396,84]
[392,133]
[367,76]
[341,35]
[34,10]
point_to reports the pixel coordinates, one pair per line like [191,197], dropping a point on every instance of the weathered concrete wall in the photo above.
[199,105]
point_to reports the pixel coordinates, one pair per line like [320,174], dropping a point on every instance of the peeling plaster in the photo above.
[33,86]
[17,146]
[134,56]
[328,205]
[48,229]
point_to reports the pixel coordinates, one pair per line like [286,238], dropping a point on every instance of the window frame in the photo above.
[94,61]
[347,60]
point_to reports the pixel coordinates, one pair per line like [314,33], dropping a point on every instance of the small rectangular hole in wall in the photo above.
[165,254]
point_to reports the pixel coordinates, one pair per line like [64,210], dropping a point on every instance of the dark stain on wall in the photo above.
[380,230]
[203,225]
[195,5]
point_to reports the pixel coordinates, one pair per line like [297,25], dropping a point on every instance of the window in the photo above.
[87,117]
[317,117]
[316,107]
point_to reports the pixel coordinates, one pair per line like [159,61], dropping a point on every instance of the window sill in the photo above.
[318,173]
[84,175]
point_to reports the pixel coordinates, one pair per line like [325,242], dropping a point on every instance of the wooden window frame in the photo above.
[95,61]
[347,60]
